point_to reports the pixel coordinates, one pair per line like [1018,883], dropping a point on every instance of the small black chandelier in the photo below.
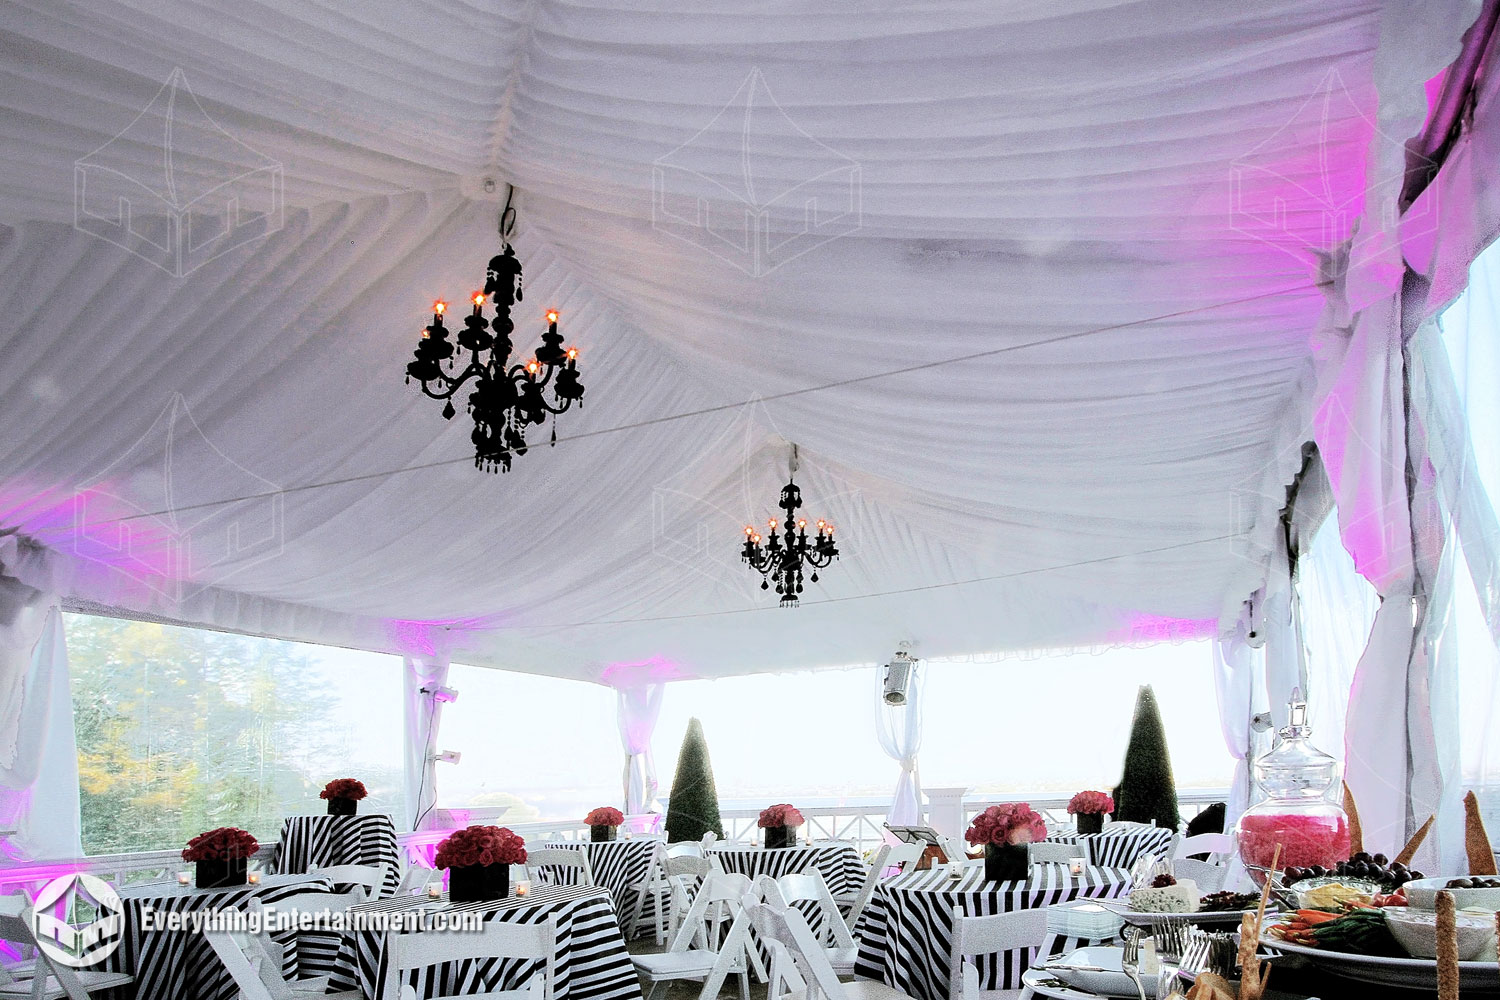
[783,555]
[505,400]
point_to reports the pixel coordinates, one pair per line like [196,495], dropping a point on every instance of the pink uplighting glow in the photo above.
[653,670]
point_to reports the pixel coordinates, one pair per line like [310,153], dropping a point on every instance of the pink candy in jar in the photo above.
[1305,840]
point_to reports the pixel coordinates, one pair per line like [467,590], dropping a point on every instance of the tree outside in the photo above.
[1148,791]
[693,808]
[181,730]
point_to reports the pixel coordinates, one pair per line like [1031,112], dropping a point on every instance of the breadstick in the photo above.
[1447,948]
[1356,832]
[1476,841]
[1410,850]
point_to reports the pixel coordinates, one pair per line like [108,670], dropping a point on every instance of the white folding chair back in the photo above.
[903,855]
[1045,852]
[1208,876]
[787,928]
[49,980]
[701,948]
[986,936]
[653,885]
[810,887]
[416,877]
[1204,843]
[370,877]
[500,939]
[567,859]
[251,969]
[855,902]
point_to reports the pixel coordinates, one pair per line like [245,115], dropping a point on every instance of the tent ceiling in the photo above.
[1071,197]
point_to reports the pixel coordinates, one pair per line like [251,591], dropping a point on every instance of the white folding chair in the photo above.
[800,969]
[987,936]
[1214,844]
[371,878]
[49,980]
[1208,876]
[416,877]
[258,974]
[854,903]
[708,839]
[296,905]
[904,855]
[1045,852]
[684,875]
[701,949]
[572,865]
[833,934]
[653,885]
[500,939]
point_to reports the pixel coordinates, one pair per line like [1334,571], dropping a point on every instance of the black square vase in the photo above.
[342,807]
[601,833]
[1006,862]
[471,883]
[219,874]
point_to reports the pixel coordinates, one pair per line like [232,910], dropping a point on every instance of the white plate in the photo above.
[1045,985]
[1474,978]
[1141,918]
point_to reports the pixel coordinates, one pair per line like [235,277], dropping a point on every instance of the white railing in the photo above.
[858,821]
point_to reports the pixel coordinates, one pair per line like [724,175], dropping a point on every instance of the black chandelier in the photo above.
[505,399]
[784,554]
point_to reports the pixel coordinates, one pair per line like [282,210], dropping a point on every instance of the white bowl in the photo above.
[1416,931]
[1421,894]
[1112,982]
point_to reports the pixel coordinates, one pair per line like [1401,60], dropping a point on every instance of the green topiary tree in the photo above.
[693,807]
[1147,789]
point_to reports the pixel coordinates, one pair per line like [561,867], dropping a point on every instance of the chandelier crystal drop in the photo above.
[507,397]
[781,555]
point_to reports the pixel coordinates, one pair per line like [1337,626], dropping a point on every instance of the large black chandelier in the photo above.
[782,553]
[507,398]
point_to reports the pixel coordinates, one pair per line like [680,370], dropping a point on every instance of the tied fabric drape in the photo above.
[423,717]
[39,789]
[899,729]
[639,707]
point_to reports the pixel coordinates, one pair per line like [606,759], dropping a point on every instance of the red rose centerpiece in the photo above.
[1005,830]
[219,857]
[1090,808]
[780,823]
[343,794]
[604,823]
[478,859]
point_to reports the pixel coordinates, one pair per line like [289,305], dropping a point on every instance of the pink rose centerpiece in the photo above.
[343,795]
[780,823]
[478,859]
[219,857]
[604,823]
[1004,831]
[1090,808]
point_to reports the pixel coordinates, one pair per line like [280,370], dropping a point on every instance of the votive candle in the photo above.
[434,890]
[253,878]
[183,878]
[522,888]
[1075,866]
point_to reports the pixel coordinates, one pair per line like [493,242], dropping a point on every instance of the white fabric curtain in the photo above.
[39,811]
[899,730]
[639,706]
[1237,669]
[423,718]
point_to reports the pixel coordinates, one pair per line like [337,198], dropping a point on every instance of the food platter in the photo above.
[1475,978]
[1142,918]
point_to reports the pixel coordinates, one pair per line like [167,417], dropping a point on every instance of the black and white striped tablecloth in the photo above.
[180,965]
[840,864]
[592,963]
[618,867]
[1119,844]
[907,929]
[326,841]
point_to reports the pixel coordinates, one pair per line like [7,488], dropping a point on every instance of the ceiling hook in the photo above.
[508,214]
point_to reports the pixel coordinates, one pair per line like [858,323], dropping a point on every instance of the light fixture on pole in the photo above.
[780,557]
[898,677]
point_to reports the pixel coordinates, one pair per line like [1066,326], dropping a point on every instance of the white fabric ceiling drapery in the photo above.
[899,730]
[639,706]
[422,720]
[1116,197]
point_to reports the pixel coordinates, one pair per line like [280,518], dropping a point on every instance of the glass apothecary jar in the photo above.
[1300,806]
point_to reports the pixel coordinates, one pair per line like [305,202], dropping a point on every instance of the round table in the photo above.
[906,929]
[618,867]
[840,864]
[1119,845]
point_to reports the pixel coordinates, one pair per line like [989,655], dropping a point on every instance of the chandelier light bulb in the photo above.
[552,315]
[572,354]
[533,367]
[801,523]
[749,530]
[772,523]
[439,306]
[479,298]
